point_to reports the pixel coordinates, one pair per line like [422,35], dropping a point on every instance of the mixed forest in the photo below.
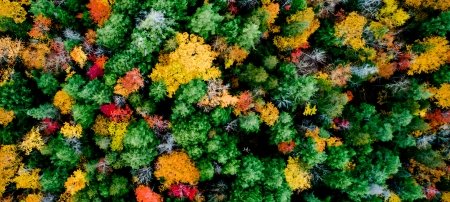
[224,100]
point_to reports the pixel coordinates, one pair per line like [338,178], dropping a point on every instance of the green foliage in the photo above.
[158,91]
[205,21]
[97,92]
[52,181]
[43,111]
[251,172]
[254,75]
[440,25]
[220,116]
[15,95]
[339,157]
[283,130]
[191,131]
[61,154]
[48,84]
[140,145]
[250,123]
[84,114]
[112,35]
[249,37]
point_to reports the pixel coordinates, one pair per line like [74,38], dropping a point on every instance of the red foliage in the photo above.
[295,55]
[403,61]
[232,7]
[341,123]
[145,194]
[287,7]
[183,191]
[438,118]
[95,71]
[430,192]
[245,102]
[99,10]
[50,126]
[286,147]
[156,122]
[115,113]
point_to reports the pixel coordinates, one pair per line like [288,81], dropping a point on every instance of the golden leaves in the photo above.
[176,167]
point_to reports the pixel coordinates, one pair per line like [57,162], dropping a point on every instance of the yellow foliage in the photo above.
[117,132]
[334,142]
[320,142]
[9,163]
[435,56]
[306,16]
[34,198]
[27,179]
[78,56]
[391,15]
[272,9]
[445,197]
[394,197]
[32,140]
[9,49]
[6,116]
[442,95]
[101,125]
[191,60]
[34,56]
[309,110]
[13,9]
[434,4]
[71,131]
[76,182]
[5,74]
[217,95]
[296,177]
[350,30]
[176,167]
[63,102]
[235,54]
[268,113]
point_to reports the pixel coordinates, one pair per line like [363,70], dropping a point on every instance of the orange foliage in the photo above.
[101,125]
[100,11]
[32,140]
[438,118]
[235,54]
[130,83]
[244,103]
[341,75]
[13,9]
[76,182]
[191,60]
[320,142]
[424,174]
[34,198]
[34,56]
[90,36]
[145,194]
[9,50]
[268,113]
[27,179]
[9,163]
[286,147]
[217,95]
[63,102]
[176,167]
[385,68]
[272,9]
[41,27]
[435,4]
[6,116]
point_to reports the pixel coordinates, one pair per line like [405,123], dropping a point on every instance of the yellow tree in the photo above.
[71,131]
[191,60]
[442,95]
[268,113]
[9,163]
[434,4]
[14,9]
[27,179]
[350,30]
[63,102]
[9,50]
[435,55]
[296,176]
[76,182]
[391,15]
[32,140]
[6,116]
[78,56]
[301,39]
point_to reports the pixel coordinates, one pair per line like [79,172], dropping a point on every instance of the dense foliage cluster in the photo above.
[224,100]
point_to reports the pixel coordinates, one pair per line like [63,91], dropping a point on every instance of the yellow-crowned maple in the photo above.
[14,9]
[77,54]
[71,131]
[76,182]
[6,116]
[350,30]
[268,113]
[435,55]
[191,60]
[32,140]
[9,163]
[297,177]
[27,179]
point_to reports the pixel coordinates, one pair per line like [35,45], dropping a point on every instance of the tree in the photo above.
[442,96]
[63,101]
[439,25]
[112,34]
[76,182]
[99,11]
[205,22]
[131,82]
[350,30]
[191,60]
[296,177]
[145,194]
[32,140]
[14,10]
[432,58]
[176,167]
[71,131]
[27,179]
[9,163]
[6,116]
